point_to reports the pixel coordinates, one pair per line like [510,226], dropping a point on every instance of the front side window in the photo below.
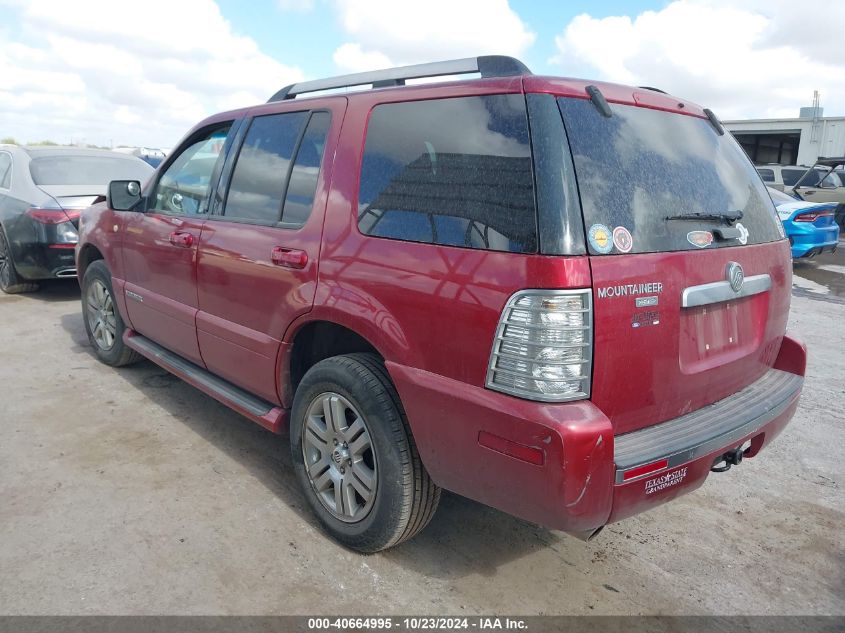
[185,186]
[801,177]
[455,172]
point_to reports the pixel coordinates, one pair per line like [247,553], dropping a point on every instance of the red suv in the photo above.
[565,300]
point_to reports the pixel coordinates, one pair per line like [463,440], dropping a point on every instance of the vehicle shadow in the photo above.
[463,538]
[54,290]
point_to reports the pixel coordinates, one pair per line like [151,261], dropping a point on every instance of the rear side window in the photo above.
[767,175]
[258,182]
[455,172]
[302,184]
[640,166]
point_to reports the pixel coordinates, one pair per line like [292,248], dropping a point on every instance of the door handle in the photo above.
[289,257]
[179,238]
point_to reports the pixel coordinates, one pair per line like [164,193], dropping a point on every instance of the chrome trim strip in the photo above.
[719,291]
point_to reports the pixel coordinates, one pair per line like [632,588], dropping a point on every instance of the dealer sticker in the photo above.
[665,481]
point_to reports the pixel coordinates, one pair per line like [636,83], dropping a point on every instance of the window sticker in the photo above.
[600,239]
[622,239]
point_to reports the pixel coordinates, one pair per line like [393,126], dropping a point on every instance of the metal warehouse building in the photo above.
[791,141]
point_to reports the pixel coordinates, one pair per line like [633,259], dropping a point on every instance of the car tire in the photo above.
[10,281]
[346,411]
[102,319]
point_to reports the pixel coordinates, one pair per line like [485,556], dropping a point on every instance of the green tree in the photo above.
[8,140]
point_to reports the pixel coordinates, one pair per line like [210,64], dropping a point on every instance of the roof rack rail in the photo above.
[653,89]
[486,65]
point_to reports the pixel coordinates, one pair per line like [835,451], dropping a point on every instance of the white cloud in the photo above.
[349,56]
[93,70]
[746,58]
[393,32]
[298,6]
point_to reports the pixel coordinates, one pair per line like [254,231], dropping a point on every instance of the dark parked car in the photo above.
[42,190]
[479,285]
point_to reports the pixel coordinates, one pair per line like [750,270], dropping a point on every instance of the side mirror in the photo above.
[124,195]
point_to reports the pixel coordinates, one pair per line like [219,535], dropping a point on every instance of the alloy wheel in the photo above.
[339,458]
[101,317]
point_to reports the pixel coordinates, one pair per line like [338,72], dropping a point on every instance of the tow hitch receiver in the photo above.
[724,462]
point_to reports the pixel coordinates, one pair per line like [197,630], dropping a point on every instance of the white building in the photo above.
[791,141]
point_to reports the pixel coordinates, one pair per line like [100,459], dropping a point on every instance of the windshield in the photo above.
[86,170]
[641,166]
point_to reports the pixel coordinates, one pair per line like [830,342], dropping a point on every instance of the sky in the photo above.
[142,73]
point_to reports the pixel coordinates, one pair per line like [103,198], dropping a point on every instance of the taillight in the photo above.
[812,216]
[543,347]
[47,216]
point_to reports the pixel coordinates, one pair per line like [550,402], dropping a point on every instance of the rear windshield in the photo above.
[641,166]
[86,170]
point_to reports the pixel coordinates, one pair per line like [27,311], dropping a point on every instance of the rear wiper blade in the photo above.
[728,216]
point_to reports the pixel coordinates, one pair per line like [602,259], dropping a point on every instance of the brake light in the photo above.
[812,216]
[47,216]
[543,347]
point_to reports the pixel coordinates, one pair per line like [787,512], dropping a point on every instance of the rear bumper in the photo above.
[38,250]
[46,261]
[561,466]
[811,240]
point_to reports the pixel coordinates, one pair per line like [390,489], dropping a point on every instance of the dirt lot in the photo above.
[129,492]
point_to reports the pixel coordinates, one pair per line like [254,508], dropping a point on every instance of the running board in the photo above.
[267,414]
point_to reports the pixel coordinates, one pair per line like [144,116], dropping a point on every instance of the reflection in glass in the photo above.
[450,171]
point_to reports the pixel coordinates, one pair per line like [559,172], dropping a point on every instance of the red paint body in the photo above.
[234,298]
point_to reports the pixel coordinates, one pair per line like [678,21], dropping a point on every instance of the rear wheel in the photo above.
[355,457]
[102,319]
[10,281]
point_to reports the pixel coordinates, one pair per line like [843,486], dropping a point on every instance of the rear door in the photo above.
[674,329]
[259,252]
[160,244]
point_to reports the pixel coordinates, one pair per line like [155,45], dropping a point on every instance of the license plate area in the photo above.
[719,333]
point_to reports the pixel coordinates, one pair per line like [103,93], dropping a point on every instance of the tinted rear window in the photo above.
[640,166]
[86,170]
[455,172]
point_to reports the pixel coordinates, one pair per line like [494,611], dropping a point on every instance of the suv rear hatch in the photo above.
[674,212]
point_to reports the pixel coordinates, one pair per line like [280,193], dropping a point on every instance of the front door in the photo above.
[258,255]
[160,245]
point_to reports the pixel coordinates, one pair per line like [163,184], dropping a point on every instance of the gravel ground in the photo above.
[129,492]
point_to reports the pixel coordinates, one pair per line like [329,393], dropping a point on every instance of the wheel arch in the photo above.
[310,341]
[88,253]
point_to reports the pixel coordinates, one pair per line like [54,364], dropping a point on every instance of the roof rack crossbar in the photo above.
[486,65]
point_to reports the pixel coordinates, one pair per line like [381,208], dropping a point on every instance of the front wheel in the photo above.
[103,323]
[355,457]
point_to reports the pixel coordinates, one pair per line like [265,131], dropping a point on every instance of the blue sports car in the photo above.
[810,226]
